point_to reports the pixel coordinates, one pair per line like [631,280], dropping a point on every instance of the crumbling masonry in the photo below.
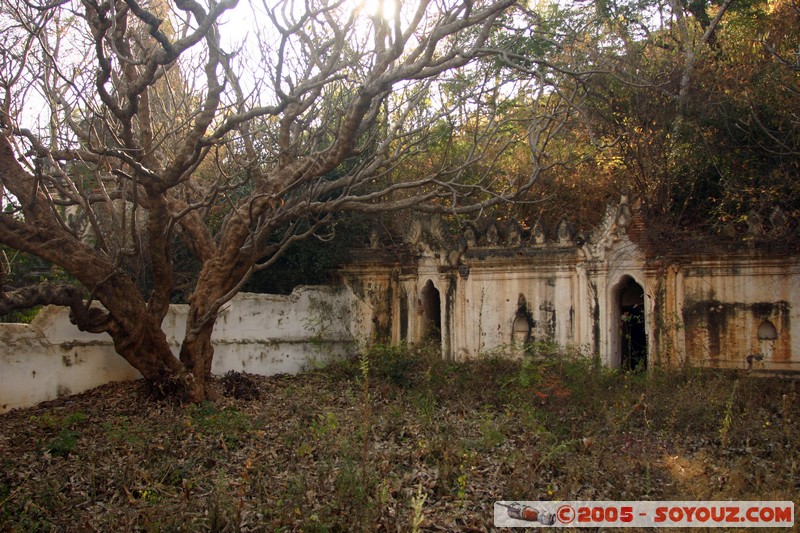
[612,293]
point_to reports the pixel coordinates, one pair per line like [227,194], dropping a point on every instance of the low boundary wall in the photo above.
[256,333]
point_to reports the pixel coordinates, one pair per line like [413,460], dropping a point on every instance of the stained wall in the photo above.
[602,294]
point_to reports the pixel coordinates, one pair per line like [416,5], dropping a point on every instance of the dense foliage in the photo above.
[690,108]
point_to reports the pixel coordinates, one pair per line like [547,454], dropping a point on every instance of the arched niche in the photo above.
[767,334]
[521,327]
[520,334]
[403,315]
[767,331]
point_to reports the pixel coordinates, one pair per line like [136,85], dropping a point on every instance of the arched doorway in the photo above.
[403,315]
[633,336]
[431,313]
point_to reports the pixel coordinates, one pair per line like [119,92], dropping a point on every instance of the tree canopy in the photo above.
[690,107]
[128,126]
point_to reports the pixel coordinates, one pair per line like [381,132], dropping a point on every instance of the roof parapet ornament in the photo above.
[437,229]
[492,236]
[755,224]
[470,236]
[414,231]
[563,233]
[538,234]
[374,239]
[514,234]
[778,221]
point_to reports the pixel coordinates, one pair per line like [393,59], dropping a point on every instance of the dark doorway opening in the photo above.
[633,336]
[403,315]
[432,313]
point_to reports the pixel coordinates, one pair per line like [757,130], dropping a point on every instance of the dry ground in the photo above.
[394,440]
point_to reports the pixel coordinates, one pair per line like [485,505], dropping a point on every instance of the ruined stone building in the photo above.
[612,292]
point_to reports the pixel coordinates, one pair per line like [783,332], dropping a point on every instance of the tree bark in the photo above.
[215,286]
[134,329]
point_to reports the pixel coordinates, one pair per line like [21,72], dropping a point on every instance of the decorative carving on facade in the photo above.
[470,236]
[514,233]
[624,215]
[414,234]
[563,234]
[538,234]
[374,239]
[611,229]
[492,236]
[430,230]
[755,225]
[591,290]
[437,229]
[778,221]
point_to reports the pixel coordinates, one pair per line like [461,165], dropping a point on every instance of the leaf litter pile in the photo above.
[397,440]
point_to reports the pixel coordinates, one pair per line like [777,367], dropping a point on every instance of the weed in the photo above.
[544,350]
[363,367]
[167,472]
[529,373]
[727,418]
[74,418]
[461,491]
[366,419]
[230,424]
[64,443]
[51,420]
[425,405]
[23,316]
[394,364]
[323,425]
[417,504]
[147,495]
[123,430]
[491,435]
[209,418]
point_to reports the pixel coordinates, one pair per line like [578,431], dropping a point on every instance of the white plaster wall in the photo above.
[487,303]
[272,334]
[256,333]
[491,305]
[51,358]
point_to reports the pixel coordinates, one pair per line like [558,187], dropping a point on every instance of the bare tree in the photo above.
[126,124]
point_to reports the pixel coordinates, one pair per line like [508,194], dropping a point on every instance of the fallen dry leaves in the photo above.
[327,451]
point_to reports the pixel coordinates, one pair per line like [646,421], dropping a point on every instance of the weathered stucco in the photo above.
[256,333]
[726,301]
[601,293]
